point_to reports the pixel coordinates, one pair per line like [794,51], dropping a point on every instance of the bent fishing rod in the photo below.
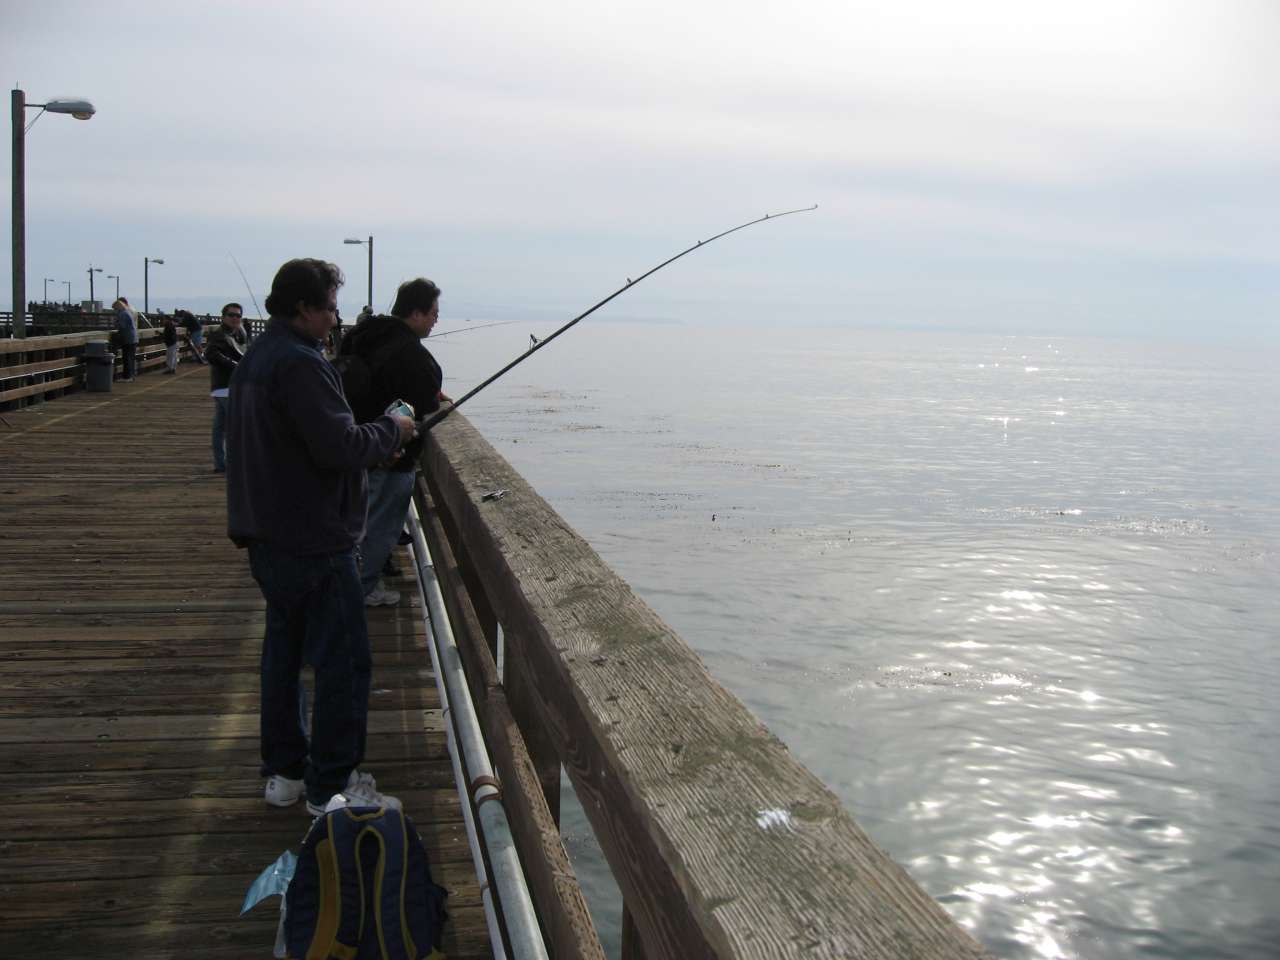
[426,423]
[246,285]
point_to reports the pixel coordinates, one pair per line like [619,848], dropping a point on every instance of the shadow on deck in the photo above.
[130,630]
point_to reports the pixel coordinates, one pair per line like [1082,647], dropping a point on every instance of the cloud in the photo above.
[1097,130]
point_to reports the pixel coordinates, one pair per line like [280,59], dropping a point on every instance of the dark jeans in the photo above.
[315,615]
[220,433]
[129,366]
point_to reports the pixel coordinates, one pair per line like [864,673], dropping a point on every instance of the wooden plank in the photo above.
[381,699]
[151,819]
[230,937]
[129,698]
[241,780]
[523,695]
[62,341]
[702,814]
[40,366]
[184,681]
[66,730]
[200,899]
[123,858]
[214,757]
[17,393]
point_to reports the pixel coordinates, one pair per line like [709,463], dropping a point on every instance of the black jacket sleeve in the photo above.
[219,353]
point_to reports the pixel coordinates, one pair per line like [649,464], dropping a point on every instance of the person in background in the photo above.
[170,337]
[334,339]
[127,334]
[401,368]
[296,499]
[195,333]
[226,348]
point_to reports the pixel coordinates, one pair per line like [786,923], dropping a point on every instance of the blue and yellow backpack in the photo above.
[363,891]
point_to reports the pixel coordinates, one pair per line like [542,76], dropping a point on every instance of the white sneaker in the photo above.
[283,792]
[361,791]
[380,596]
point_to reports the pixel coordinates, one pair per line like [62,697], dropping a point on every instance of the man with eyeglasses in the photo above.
[296,499]
[224,353]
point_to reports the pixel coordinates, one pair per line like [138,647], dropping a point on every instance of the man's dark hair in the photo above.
[420,294]
[235,306]
[305,281]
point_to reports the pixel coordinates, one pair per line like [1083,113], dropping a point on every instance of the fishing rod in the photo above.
[246,284]
[426,423]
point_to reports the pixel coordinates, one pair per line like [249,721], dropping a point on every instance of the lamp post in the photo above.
[116,278]
[68,283]
[81,110]
[47,281]
[146,281]
[370,243]
[92,271]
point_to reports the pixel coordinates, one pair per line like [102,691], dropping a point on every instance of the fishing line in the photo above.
[426,423]
[478,326]
[246,284]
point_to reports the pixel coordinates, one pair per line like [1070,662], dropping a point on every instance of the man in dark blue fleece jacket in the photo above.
[296,498]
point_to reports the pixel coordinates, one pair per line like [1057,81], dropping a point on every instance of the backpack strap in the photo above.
[369,865]
[315,900]
[372,843]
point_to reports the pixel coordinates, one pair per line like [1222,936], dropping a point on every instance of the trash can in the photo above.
[99,363]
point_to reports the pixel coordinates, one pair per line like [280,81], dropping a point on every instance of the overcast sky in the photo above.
[1026,167]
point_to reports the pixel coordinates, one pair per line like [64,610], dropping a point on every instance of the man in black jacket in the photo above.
[401,368]
[224,352]
[296,498]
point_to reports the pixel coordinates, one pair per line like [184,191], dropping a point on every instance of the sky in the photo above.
[1096,168]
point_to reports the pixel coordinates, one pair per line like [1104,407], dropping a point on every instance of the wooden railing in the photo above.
[48,323]
[50,366]
[722,844]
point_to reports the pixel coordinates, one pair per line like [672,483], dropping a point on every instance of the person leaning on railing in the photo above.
[170,336]
[127,336]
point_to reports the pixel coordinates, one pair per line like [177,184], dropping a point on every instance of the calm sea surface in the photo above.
[1014,599]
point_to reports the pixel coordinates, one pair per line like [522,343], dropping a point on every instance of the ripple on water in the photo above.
[1014,601]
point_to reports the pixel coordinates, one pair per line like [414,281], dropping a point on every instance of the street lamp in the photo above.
[47,281]
[81,110]
[146,281]
[68,283]
[370,242]
[116,278]
[92,271]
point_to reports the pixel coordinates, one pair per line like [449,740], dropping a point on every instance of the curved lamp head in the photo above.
[80,109]
[154,259]
[353,240]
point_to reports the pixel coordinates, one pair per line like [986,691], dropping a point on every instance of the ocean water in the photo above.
[1014,599]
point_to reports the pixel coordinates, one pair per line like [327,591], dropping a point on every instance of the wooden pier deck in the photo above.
[130,630]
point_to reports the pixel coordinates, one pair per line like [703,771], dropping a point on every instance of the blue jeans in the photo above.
[315,615]
[389,494]
[220,434]
[129,365]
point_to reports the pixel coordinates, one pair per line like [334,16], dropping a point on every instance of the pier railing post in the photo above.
[523,696]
